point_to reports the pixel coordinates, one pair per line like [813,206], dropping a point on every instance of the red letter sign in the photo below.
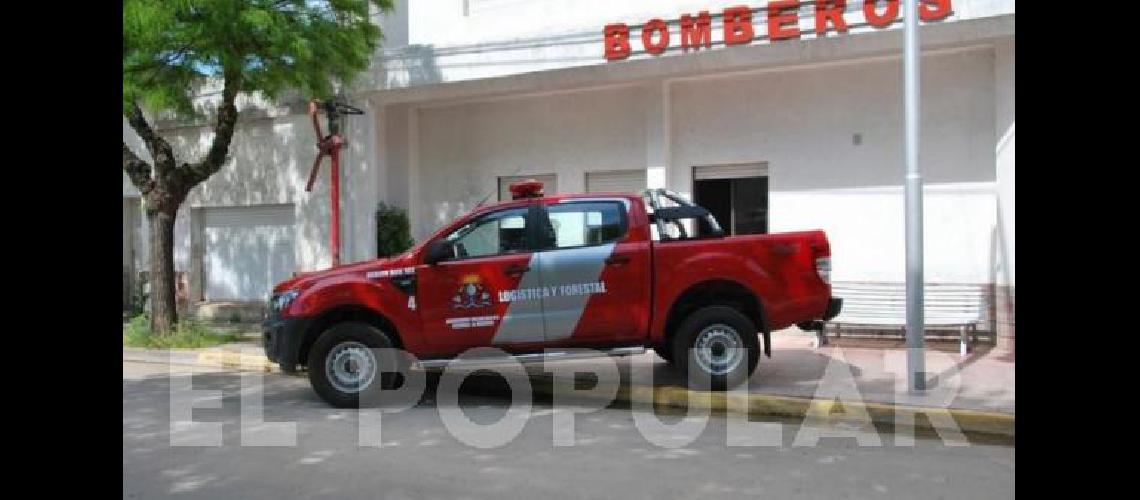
[783,19]
[737,25]
[830,10]
[695,34]
[884,20]
[934,10]
[647,36]
[617,41]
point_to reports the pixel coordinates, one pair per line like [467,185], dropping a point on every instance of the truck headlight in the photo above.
[283,299]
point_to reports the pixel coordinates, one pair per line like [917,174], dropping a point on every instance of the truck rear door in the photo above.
[595,271]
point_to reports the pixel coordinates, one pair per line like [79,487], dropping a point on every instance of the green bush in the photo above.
[393,233]
[187,334]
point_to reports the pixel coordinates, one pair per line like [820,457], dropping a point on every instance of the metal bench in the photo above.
[959,308]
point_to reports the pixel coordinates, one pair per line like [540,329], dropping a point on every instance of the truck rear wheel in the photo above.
[343,366]
[721,346]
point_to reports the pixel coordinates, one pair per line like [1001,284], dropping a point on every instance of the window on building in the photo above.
[584,224]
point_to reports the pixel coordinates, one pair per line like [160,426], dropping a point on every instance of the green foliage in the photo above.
[393,233]
[171,47]
[186,334]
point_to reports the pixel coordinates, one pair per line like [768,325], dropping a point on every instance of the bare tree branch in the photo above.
[223,134]
[138,170]
[160,151]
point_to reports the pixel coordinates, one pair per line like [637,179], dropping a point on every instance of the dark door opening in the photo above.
[716,196]
[740,205]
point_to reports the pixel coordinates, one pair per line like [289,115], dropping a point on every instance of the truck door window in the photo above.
[496,233]
[584,224]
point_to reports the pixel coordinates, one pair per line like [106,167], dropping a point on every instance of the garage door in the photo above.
[549,184]
[622,181]
[246,250]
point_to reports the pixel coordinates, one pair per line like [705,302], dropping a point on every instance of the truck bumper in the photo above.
[282,338]
[834,305]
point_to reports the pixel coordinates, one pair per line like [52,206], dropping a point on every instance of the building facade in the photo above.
[800,132]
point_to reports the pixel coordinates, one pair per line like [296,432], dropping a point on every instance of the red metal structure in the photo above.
[330,145]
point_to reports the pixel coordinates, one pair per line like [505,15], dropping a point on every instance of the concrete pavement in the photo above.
[419,458]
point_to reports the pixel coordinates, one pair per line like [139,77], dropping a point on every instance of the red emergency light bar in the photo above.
[529,188]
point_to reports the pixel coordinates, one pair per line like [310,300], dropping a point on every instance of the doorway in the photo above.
[737,195]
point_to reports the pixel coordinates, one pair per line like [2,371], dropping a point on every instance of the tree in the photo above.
[172,48]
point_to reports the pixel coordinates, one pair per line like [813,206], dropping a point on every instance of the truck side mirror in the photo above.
[439,250]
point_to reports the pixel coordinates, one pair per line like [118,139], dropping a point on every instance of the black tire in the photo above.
[721,326]
[348,334]
[665,352]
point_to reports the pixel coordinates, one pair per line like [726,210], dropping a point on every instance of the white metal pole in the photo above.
[916,379]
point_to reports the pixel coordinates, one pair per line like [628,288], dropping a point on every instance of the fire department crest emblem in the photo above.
[471,294]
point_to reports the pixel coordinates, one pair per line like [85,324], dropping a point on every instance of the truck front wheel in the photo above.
[716,348]
[343,364]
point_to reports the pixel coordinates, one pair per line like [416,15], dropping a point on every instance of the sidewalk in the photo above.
[985,378]
[982,384]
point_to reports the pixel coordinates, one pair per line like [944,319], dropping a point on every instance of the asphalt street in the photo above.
[418,457]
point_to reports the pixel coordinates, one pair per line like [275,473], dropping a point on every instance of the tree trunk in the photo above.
[163,306]
[166,186]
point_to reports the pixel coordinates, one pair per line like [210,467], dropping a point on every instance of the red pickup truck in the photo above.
[614,272]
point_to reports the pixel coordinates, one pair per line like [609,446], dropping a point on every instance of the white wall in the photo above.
[394,25]
[269,163]
[1004,134]
[267,166]
[464,148]
[396,155]
[361,170]
[802,124]
[507,37]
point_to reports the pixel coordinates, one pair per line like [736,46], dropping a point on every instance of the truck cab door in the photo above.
[595,271]
[460,299]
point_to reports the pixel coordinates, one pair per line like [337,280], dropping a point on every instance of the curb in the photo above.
[225,359]
[247,362]
[748,404]
[769,405]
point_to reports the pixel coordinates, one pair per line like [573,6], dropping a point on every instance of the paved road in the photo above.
[418,458]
